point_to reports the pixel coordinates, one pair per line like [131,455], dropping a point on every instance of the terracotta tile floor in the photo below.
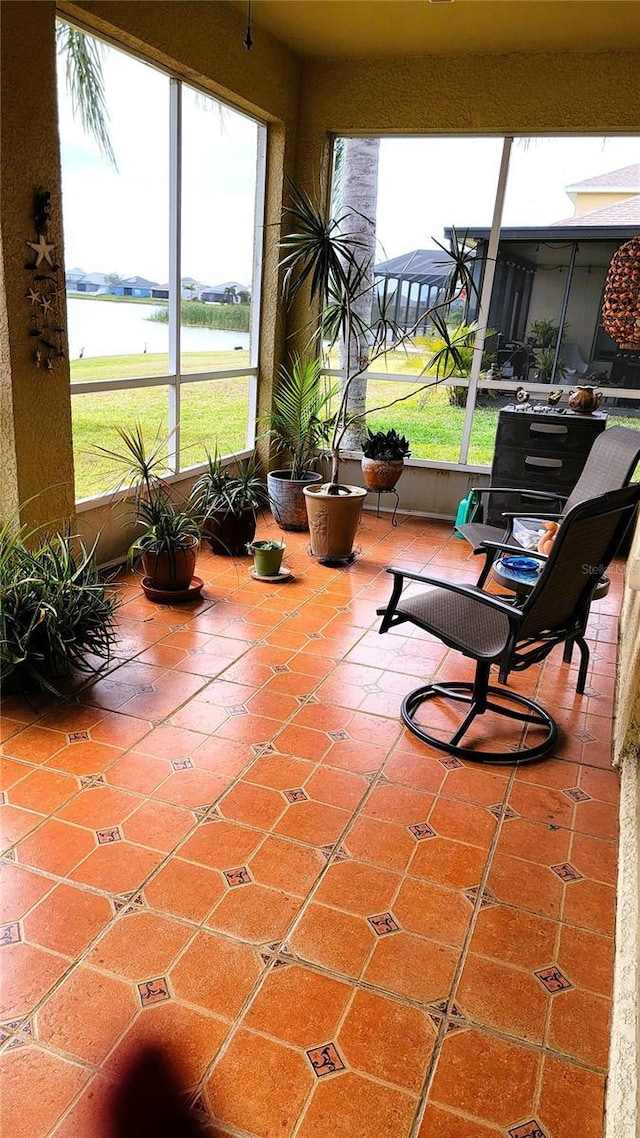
[231,845]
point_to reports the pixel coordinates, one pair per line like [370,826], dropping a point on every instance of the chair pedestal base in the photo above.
[518,708]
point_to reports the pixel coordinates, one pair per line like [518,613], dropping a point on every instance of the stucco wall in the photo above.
[36,420]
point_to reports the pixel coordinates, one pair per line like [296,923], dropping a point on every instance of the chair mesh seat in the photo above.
[461,621]
[477,532]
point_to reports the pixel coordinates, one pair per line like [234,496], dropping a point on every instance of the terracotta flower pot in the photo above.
[381,475]
[287,499]
[171,570]
[333,520]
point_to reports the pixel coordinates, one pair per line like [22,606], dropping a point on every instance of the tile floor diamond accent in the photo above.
[78,736]
[566,872]
[296,795]
[553,979]
[239,876]
[383,924]
[90,781]
[451,763]
[530,1129]
[372,689]
[325,1060]
[496,810]
[576,794]
[153,991]
[280,668]
[422,830]
[487,896]
[237,709]
[584,736]
[129,902]
[181,764]
[206,813]
[10,934]
[106,837]
[142,689]
[338,736]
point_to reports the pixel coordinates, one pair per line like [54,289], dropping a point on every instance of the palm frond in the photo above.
[85,84]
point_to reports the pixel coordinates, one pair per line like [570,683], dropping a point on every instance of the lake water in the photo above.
[116,328]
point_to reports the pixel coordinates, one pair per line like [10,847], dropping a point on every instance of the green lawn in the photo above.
[214,412]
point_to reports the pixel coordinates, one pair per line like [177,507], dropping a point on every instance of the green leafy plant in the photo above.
[57,616]
[232,487]
[385,446]
[169,523]
[319,255]
[544,358]
[301,419]
[544,333]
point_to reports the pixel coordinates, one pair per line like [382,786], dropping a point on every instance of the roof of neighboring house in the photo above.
[627,178]
[426,266]
[228,284]
[626,212]
[75,274]
[95,278]
[139,282]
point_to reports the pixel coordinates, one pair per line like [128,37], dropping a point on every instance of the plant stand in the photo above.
[395,506]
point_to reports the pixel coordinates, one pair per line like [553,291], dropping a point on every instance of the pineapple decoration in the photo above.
[621,302]
[46,289]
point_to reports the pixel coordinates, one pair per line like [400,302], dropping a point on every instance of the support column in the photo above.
[35,434]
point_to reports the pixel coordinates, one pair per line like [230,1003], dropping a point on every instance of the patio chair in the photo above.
[610,464]
[491,630]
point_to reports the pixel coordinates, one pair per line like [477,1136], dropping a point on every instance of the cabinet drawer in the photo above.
[533,470]
[537,433]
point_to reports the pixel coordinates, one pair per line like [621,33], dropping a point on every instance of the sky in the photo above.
[119,222]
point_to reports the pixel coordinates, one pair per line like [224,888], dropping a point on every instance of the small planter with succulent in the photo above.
[227,497]
[168,547]
[267,557]
[383,455]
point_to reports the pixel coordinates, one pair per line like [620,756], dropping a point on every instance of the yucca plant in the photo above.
[319,255]
[57,616]
[227,496]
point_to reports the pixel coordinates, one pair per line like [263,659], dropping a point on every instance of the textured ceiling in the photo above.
[334,28]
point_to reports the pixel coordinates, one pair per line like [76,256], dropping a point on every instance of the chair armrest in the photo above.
[488,599]
[534,517]
[517,549]
[543,494]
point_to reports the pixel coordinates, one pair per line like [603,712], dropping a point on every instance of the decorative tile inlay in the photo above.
[315,636]
[105,837]
[577,795]
[10,934]
[90,781]
[383,924]
[296,795]
[142,689]
[238,876]
[176,627]
[370,777]
[584,736]
[422,830]
[206,813]
[196,651]
[78,736]
[237,620]
[237,709]
[496,810]
[451,763]
[24,1033]
[341,854]
[280,667]
[325,1060]
[338,736]
[439,1010]
[553,979]
[566,872]
[153,991]
[531,1129]
[10,855]
[264,748]
[181,764]
[487,896]
[129,902]
[372,689]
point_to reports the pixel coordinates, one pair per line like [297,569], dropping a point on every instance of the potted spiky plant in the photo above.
[227,497]
[168,546]
[320,256]
[299,423]
[383,455]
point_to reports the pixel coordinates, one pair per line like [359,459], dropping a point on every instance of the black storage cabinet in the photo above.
[539,450]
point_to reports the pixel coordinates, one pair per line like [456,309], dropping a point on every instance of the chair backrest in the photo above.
[585,544]
[610,464]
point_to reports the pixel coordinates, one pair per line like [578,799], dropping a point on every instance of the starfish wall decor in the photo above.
[46,294]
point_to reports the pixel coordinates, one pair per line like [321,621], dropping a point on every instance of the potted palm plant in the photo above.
[318,255]
[383,455]
[299,423]
[168,546]
[227,497]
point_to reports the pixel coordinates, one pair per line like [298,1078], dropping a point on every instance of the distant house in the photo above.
[229,292]
[91,282]
[136,286]
[72,276]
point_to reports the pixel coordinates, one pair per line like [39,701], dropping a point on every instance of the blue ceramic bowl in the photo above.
[521,564]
